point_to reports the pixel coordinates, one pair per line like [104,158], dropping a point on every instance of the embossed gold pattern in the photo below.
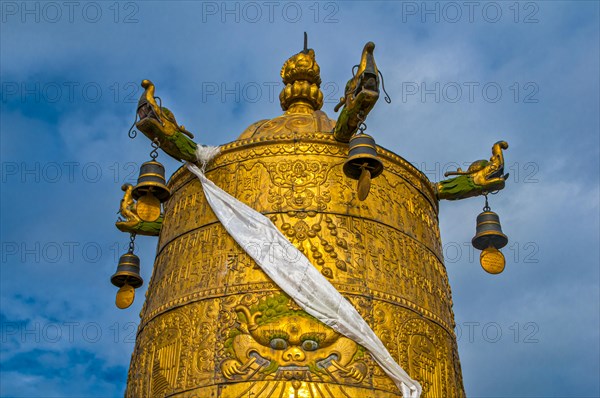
[214,324]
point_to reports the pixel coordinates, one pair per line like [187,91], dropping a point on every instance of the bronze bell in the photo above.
[152,181]
[488,231]
[128,272]
[363,163]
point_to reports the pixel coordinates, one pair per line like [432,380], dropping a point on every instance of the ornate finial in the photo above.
[302,79]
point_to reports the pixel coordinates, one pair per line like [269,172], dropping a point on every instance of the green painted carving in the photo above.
[481,177]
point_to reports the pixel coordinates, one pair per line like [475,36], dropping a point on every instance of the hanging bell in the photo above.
[150,191]
[127,279]
[152,180]
[363,163]
[488,231]
[489,238]
[128,271]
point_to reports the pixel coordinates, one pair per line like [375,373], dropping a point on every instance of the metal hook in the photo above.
[132,133]
[387,96]
[487,206]
[160,108]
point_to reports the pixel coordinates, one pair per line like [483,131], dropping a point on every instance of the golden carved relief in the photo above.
[175,352]
[158,370]
[429,354]
[214,325]
[202,263]
[165,363]
[274,339]
[383,254]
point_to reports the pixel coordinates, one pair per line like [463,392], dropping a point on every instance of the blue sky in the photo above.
[461,76]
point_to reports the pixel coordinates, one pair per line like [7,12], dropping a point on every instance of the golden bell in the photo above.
[152,180]
[488,231]
[128,272]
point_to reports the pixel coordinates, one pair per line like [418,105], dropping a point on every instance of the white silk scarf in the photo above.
[295,275]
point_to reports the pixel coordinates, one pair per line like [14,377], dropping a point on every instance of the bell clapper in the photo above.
[363,186]
[492,260]
[125,296]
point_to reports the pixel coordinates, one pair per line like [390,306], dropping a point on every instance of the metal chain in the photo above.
[131,242]
[487,206]
[362,126]
[155,145]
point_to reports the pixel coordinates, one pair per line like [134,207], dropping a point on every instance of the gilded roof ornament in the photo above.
[302,78]
[364,225]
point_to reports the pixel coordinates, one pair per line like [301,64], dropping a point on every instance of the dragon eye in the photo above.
[309,345]
[278,344]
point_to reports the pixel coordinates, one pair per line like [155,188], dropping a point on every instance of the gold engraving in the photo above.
[492,260]
[165,364]
[274,338]
[148,207]
[214,324]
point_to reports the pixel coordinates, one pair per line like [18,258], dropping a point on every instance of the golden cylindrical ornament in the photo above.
[214,325]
